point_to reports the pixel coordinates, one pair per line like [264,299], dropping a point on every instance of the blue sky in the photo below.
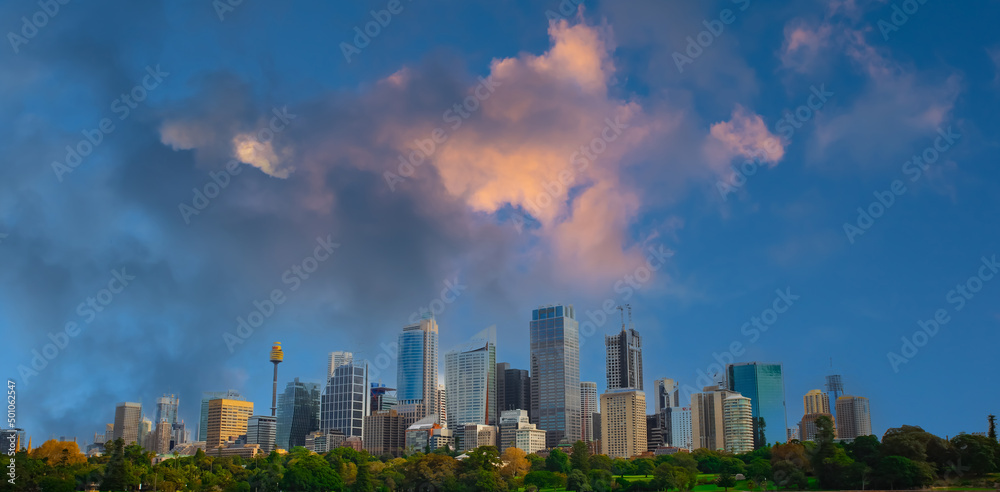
[579,146]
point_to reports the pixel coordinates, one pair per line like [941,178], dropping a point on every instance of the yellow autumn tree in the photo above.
[58,453]
[514,463]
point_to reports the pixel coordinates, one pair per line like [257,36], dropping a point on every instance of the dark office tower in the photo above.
[555,373]
[501,391]
[624,358]
[298,413]
[765,386]
[517,390]
[127,417]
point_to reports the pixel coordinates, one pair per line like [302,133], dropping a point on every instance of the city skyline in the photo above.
[807,188]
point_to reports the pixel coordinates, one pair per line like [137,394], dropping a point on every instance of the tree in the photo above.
[543,479]
[514,463]
[866,449]
[667,476]
[908,441]
[992,434]
[580,459]
[759,469]
[900,472]
[601,479]
[363,481]
[557,462]
[761,437]
[600,462]
[310,473]
[977,454]
[644,466]
[537,462]
[577,482]
[824,441]
[59,453]
[120,473]
[622,467]
[725,481]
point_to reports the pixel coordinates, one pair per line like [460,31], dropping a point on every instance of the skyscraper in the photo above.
[227,420]
[501,391]
[470,381]
[442,403]
[383,397]
[737,416]
[588,406]
[203,418]
[623,423]
[166,409]
[854,417]
[417,367]
[263,430]
[765,386]
[335,360]
[517,390]
[555,373]
[667,394]
[385,432]
[816,401]
[708,419]
[624,358]
[346,400]
[127,419]
[680,427]
[298,412]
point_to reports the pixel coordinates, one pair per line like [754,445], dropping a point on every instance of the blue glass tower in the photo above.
[555,374]
[417,367]
[764,384]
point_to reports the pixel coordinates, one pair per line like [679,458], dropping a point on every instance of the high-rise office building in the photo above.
[166,409]
[765,386]
[654,431]
[680,427]
[470,381]
[127,421]
[158,441]
[203,416]
[298,412]
[442,403]
[624,358]
[588,407]
[383,397]
[417,367]
[510,421]
[346,400]
[623,423]
[555,373]
[707,418]
[385,432]
[737,417]
[335,360]
[227,420]
[854,417]
[263,430]
[816,401]
[517,390]
[667,394]
[501,392]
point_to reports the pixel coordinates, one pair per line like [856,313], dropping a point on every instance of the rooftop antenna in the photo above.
[621,310]
[629,306]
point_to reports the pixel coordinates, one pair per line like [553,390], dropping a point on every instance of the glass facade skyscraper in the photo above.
[470,381]
[298,413]
[764,384]
[417,366]
[555,374]
[347,399]
[517,390]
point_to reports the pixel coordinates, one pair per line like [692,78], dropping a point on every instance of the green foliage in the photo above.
[310,473]
[622,467]
[992,433]
[865,449]
[363,481]
[759,469]
[578,482]
[580,459]
[895,472]
[600,462]
[557,462]
[977,454]
[667,476]
[537,462]
[644,466]
[600,479]
[725,480]
[545,479]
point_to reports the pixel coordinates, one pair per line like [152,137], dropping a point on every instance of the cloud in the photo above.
[746,135]
[249,150]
